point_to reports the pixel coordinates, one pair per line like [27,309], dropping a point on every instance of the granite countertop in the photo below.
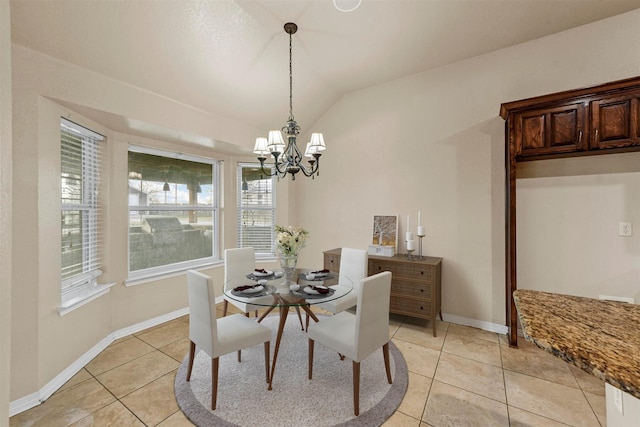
[600,337]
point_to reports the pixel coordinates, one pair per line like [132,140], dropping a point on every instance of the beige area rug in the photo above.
[326,400]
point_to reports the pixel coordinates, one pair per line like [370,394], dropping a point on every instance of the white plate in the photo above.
[259,274]
[253,290]
[310,290]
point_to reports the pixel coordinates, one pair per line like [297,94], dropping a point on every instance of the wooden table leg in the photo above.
[306,308]
[266,312]
[299,317]
[284,312]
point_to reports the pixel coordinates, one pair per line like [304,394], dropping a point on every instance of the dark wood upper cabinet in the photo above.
[615,121]
[551,130]
[574,123]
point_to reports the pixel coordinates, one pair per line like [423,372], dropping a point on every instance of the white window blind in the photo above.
[81,216]
[256,209]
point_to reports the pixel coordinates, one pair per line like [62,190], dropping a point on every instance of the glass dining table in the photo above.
[271,290]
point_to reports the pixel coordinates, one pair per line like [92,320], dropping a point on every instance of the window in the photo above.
[81,222]
[256,210]
[173,211]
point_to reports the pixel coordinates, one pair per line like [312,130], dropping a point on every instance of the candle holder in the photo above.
[420,257]
[409,254]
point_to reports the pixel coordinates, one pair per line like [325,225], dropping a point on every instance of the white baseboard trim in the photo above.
[487,326]
[34,399]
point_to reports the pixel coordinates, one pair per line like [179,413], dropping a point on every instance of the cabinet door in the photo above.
[615,121]
[553,130]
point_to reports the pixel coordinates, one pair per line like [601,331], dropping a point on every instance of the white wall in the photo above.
[434,142]
[5,210]
[431,141]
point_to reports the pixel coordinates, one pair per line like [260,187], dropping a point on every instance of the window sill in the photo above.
[82,296]
[146,277]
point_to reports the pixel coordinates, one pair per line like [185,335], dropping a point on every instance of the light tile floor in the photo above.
[462,377]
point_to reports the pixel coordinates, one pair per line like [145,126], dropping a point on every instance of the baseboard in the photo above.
[487,326]
[34,399]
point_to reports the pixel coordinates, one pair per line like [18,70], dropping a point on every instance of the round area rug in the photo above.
[326,400]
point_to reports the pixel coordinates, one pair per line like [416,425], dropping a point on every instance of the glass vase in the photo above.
[288,264]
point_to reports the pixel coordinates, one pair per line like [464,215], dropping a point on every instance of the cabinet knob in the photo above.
[595,134]
[580,136]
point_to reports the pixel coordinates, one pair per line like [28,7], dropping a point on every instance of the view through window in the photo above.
[173,209]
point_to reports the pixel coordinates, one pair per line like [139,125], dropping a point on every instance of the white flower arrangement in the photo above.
[289,240]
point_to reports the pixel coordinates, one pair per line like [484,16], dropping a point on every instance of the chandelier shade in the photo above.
[287,157]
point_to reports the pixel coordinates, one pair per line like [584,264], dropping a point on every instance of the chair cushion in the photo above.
[337,332]
[340,304]
[236,332]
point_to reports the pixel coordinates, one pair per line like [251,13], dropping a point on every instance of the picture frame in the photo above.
[384,239]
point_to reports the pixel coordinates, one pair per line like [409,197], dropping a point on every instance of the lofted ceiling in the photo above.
[230,57]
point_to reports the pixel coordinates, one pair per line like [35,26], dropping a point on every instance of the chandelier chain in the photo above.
[290,80]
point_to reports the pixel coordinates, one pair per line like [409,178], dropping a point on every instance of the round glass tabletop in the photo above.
[270,288]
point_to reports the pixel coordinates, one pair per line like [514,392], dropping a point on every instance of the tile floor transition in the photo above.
[462,377]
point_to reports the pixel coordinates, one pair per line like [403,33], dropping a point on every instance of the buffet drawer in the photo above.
[411,289]
[404,270]
[411,307]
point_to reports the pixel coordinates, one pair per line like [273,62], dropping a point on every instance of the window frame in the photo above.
[89,207]
[241,207]
[146,274]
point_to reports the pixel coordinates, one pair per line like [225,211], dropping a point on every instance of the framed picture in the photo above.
[384,240]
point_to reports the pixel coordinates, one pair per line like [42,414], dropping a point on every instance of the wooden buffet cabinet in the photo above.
[415,285]
[602,119]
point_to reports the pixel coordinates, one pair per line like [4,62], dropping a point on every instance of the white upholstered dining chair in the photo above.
[353,265]
[358,335]
[238,262]
[218,337]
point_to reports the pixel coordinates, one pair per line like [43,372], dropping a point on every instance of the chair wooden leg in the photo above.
[310,358]
[225,306]
[267,351]
[239,356]
[356,388]
[214,383]
[192,354]
[385,354]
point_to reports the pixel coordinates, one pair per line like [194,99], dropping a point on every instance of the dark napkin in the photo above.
[320,271]
[244,288]
[260,270]
[321,290]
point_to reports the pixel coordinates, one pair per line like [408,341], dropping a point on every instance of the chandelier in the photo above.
[287,157]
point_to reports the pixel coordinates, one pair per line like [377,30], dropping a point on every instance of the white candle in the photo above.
[421,230]
[409,236]
[419,224]
[410,245]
